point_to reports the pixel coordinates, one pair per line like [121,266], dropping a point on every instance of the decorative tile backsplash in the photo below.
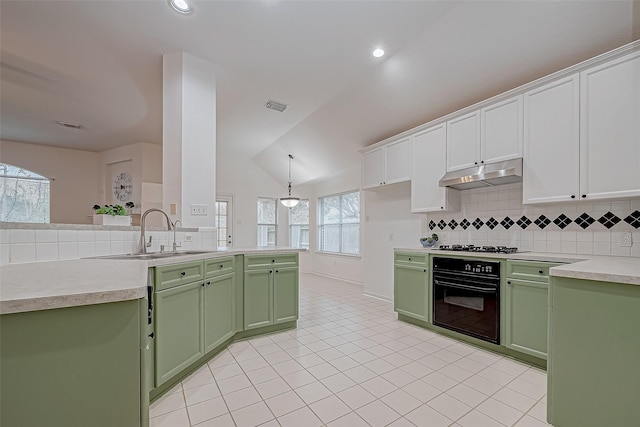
[496,216]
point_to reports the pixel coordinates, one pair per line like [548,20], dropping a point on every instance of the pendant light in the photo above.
[289,201]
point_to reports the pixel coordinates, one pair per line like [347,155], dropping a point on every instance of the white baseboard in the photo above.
[377,296]
[341,279]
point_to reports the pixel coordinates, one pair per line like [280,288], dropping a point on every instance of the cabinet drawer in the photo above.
[218,266]
[404,258]
[178,274]
[262,261]
[529,270]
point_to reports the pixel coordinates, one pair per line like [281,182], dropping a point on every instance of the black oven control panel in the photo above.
[460,265]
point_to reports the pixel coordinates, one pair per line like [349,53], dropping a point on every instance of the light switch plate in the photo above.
[198,210]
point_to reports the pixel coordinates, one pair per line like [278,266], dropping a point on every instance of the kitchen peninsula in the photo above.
[86,339]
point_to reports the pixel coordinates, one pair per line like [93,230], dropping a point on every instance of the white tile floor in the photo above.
[351,363]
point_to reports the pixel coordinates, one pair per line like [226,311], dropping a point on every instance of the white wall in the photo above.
[388,224]
[241,178]
[348,268]
[145,162]
[189,137]
[75,186]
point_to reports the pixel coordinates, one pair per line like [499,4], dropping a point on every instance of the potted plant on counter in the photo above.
[429,242]
[112,214]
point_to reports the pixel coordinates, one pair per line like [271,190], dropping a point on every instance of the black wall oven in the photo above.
[466,297]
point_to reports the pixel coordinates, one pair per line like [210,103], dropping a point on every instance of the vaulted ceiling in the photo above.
[99,64]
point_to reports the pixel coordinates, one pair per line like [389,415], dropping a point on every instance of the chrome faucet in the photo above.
[142,246]
[175,245]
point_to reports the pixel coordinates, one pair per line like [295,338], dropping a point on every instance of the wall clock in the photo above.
[122,187]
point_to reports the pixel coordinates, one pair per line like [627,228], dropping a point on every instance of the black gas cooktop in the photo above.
[472,248]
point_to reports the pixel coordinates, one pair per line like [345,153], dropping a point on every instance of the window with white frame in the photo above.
[267,221]
[339,224]
[24,196]
[299,225]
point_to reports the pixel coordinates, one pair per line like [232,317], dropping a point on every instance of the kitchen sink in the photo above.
[153,255]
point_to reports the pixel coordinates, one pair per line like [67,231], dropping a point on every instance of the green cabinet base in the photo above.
[72,367]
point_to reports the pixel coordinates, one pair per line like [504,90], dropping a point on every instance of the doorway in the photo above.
[224,220]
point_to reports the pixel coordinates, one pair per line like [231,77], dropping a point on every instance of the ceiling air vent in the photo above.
[70,125]
[277,106]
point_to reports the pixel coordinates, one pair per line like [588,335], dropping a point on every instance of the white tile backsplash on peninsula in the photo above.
[19,245]
[592,238]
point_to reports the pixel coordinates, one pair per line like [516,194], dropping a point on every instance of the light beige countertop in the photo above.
[624,270]
[57,284]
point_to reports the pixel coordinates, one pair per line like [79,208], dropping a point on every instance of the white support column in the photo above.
[189,139]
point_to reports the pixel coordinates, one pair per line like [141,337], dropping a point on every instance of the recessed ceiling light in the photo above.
[378,53]
[181,6]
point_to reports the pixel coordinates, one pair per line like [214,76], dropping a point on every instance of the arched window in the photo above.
[24,195]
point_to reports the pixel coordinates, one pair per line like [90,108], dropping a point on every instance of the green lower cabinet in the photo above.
[594,354]
[285,295]
[219,310]
[410,291]
[270,294]
[526,317]
[72,367]
[179,331]
[258,298]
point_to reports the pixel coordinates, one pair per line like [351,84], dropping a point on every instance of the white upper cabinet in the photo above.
[373,168]
[463,141]
[610,129]
[427,167]
[551,142]
[490,135]
[387,165]
[501,131]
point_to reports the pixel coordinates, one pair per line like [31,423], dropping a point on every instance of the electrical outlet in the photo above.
[626,240]
[199,210]
[188,237]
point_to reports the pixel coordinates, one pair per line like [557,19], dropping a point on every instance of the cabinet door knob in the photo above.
[481,161]
[540,272]
[425,270]
[409,259]
[152,335]
[276,271]
[573,196]
[221,266]
[584,196]
[208,283]
[508,282]
[203,285]
[441,207]
[273,260]
[270,271]
[184,273]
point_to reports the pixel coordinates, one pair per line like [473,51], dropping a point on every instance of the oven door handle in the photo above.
[466,287]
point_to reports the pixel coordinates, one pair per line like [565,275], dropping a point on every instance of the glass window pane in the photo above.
[330,238]
[299,214]
[266,211]
[351,208]
[24,195]
[266,235]
[330,210]
[351,238]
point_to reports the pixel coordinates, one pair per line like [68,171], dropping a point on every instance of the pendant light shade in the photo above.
[289,201]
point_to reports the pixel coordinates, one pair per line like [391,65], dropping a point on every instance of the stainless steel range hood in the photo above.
[488,175]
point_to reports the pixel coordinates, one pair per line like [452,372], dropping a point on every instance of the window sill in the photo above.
[339,254]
